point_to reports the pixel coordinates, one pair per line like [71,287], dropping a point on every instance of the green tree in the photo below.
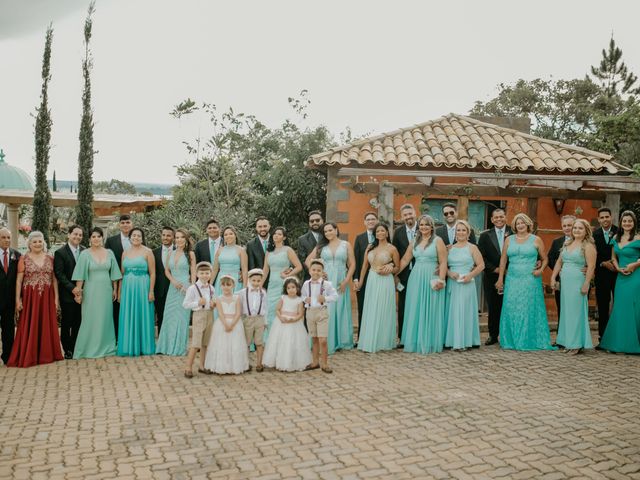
[84,209]
[42,195]
[54,184]
[114,187]
[613,74]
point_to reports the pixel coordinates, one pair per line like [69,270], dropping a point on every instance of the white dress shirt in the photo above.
[451,231]
[313,289]
[257,301]
[192,297]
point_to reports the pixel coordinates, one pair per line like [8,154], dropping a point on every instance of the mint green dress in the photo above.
[136,324]
[424,322]
[229,264]
[461,308]
[523,322]
[278,262]
[340,321]
[623,330]
[96,337]
[174,334]
[574,331]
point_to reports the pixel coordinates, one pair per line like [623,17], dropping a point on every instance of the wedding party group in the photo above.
[415,290]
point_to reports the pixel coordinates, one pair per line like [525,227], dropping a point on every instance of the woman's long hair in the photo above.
[272,246]
[188,243]
[634,230]
[323,239]
[376,242]
[431,223]
[588,234]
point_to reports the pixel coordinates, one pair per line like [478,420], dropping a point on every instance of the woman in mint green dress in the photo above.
[180,269]
[465,263]
[136,323]
[424,323]
[279,263]
[379,312]
[523,322]
[231,259]
[623,330]
[574,333]
[97,275]
[339,265]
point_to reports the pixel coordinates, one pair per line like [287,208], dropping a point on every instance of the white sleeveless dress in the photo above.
[287,347]
[227,352]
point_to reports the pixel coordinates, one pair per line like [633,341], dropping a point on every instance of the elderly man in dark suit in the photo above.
[447,232]
[118,244]
[8,274]
[402,239]
[257,247]
[64,262]
[362,242]
[161,287]
[308,241]
[490,245]
[606,274]
[566,223]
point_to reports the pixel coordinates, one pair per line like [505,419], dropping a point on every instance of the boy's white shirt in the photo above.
[254,299]
[313,291]
[192,297]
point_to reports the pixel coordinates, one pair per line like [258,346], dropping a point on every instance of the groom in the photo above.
[257,248]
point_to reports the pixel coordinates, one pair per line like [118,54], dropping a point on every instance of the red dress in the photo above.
[37,339]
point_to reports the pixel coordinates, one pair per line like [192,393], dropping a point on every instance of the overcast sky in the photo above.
[372,65]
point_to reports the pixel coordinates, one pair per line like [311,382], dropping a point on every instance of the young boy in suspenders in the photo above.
[200,298]
[254,309]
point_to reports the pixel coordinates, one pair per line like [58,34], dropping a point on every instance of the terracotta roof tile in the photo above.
[456,141]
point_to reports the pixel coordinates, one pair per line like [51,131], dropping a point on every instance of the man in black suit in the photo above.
[118,244]
[606,274]
[308,241]
[8,274]
[567,222]
[206,249]
[362,242]
[161,287]
[257,247]
[64,262]
[490,245]
[447,232]
[402,239]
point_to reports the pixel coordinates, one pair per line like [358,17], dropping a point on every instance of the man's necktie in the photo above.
[5,262]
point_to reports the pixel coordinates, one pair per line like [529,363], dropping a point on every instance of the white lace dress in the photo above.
[227,352]
[287,347]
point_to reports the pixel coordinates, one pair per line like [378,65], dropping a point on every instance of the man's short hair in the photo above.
[124,217]
[370,213]
[407,206]
[260,218]
[314,212]
[450,205]
[73,227]
[604,209]
[498,210]
[167,227]
[210,221]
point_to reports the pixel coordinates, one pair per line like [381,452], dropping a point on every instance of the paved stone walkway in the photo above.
[483,413]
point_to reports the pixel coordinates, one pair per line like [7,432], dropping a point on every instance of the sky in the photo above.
[374,66]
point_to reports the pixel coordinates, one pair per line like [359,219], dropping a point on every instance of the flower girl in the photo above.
[287,347]
[227,351]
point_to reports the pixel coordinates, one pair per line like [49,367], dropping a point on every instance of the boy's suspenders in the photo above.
[249,305]
[200,293]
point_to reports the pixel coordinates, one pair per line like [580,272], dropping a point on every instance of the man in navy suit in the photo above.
[118,244]
[308,241]
[206,249]
[8,275]
[490,245]
[403,237]
[64,262]
[606,274]
[359,248]
[161,287]
[257,247]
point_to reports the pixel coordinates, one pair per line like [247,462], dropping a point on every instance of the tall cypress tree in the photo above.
[84,209]
[54,184]
[613,74]
[42,195]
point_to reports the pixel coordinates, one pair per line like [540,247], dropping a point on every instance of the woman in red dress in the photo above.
[37,339]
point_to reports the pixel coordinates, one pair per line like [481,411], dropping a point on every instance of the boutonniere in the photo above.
[13,256]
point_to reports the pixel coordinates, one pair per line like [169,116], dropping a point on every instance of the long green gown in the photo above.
[623,330]
[96,337]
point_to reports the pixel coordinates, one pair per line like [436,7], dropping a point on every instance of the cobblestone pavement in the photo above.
[483,413]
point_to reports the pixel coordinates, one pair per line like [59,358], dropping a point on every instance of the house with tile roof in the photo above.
[479,164]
